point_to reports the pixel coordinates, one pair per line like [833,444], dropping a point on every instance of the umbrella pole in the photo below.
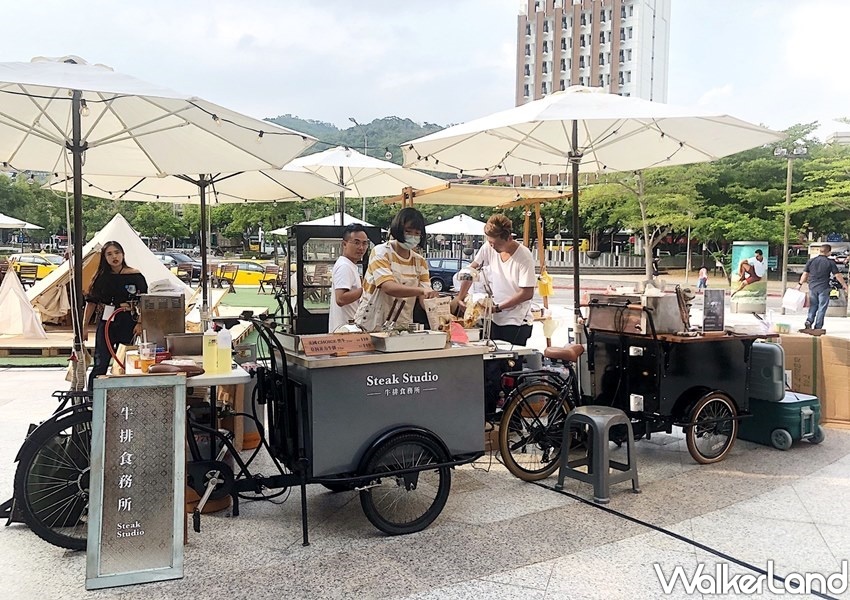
[575,159]
[341,198]
[77,149]
[202,188]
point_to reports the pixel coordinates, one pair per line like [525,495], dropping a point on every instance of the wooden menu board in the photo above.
[336,343]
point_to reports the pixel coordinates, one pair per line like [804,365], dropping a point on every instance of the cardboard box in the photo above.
[835,398]
[803,359]
[491,438]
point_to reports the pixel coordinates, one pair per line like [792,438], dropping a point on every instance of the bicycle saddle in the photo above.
[568,353]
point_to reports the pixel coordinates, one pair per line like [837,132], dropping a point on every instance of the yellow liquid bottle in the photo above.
[225,351]
[210,351]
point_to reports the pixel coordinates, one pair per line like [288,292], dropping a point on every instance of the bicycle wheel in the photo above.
[715,428]
[52,480]
[407,503]
[531,430]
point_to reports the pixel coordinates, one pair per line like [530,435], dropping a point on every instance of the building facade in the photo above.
[619,45]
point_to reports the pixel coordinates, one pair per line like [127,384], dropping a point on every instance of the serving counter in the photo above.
[351,401]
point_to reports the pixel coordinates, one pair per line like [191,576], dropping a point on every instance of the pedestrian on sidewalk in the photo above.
[817,272]
[702,282]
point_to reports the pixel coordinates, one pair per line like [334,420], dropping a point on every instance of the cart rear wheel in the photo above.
[818,436]
[531,431]
[52,481]
[714,428]
[781,439]
[409,502]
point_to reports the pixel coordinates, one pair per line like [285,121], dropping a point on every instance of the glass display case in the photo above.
[312,252]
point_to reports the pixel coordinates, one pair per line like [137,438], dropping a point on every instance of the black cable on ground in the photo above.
[667,532]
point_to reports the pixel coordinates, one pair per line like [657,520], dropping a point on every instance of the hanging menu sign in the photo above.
[713,310]
[336,343]
[136,510]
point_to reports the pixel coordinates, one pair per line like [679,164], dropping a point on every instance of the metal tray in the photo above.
[408,342]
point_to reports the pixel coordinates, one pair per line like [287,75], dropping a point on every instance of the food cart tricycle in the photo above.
[389,425]
[658,377]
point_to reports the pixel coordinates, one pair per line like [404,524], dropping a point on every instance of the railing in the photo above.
[563,258]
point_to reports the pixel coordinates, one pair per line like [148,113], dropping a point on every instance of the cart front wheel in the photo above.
[714,428]
[818,436]
[410,501]
[781,439]
[52,481]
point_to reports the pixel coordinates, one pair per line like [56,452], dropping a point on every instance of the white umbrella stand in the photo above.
[591,131]
[131,128]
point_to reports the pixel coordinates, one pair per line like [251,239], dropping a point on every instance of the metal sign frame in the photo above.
[106,416]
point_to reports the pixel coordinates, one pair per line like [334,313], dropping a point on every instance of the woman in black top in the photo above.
[113,286]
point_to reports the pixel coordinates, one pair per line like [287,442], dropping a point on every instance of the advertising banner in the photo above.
[749,277]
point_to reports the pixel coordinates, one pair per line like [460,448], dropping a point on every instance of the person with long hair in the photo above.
[396,271]
[114,285]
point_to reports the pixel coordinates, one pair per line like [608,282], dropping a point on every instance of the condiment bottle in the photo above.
[225,350]
[210,350]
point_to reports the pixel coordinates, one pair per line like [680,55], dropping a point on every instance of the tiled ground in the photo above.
[497,537]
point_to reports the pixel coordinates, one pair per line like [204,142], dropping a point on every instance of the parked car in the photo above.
[250,271]
[172,258]
[442,271]
[45,262]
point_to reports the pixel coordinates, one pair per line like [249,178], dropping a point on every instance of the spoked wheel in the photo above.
[714,428]
[409,502]
[531,431]
[52,480]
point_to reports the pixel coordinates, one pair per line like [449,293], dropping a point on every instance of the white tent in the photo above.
[17,316]
[457,225]
[50,295]
[329,220]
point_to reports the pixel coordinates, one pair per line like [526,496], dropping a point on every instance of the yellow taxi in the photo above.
[45,262]
[250,271]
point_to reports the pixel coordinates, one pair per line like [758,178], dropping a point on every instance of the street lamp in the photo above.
[366,152]
[796,152]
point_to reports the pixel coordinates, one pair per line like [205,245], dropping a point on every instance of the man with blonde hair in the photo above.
[509,268]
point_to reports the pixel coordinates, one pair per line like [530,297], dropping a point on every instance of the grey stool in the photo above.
[598,420]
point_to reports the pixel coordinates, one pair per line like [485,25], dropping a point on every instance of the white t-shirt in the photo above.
[345,276]
[506,278]
[759,266]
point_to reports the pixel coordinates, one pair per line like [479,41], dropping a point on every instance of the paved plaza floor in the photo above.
[498,537]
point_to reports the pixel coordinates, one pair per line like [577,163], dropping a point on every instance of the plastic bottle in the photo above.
[225,350]
[210,350]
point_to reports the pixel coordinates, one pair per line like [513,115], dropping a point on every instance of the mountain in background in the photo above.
[382,135]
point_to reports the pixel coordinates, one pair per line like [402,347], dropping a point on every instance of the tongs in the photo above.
[394,314]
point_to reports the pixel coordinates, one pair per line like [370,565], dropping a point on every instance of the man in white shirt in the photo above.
[509,268]
[345,279]
[751,270]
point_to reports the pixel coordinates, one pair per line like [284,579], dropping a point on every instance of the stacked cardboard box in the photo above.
[820,366]
[835,401]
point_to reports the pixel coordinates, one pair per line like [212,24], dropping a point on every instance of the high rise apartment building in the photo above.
[620,45]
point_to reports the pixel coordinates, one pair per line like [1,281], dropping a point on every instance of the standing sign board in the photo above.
[749,277]
[138,478]
[714,301]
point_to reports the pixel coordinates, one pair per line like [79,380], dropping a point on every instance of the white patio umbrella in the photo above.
[583,130]
[279,185]
[7,222]
[457,225]
[328,220]
[56,114]
[363,176]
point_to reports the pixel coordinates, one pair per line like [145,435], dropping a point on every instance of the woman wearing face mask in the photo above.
[396,272]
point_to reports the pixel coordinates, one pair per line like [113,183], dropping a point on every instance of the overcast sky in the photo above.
[776,62]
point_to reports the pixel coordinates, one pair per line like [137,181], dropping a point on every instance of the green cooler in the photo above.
[779,417]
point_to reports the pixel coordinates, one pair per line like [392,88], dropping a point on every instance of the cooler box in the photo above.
[767,372]
[779,424]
